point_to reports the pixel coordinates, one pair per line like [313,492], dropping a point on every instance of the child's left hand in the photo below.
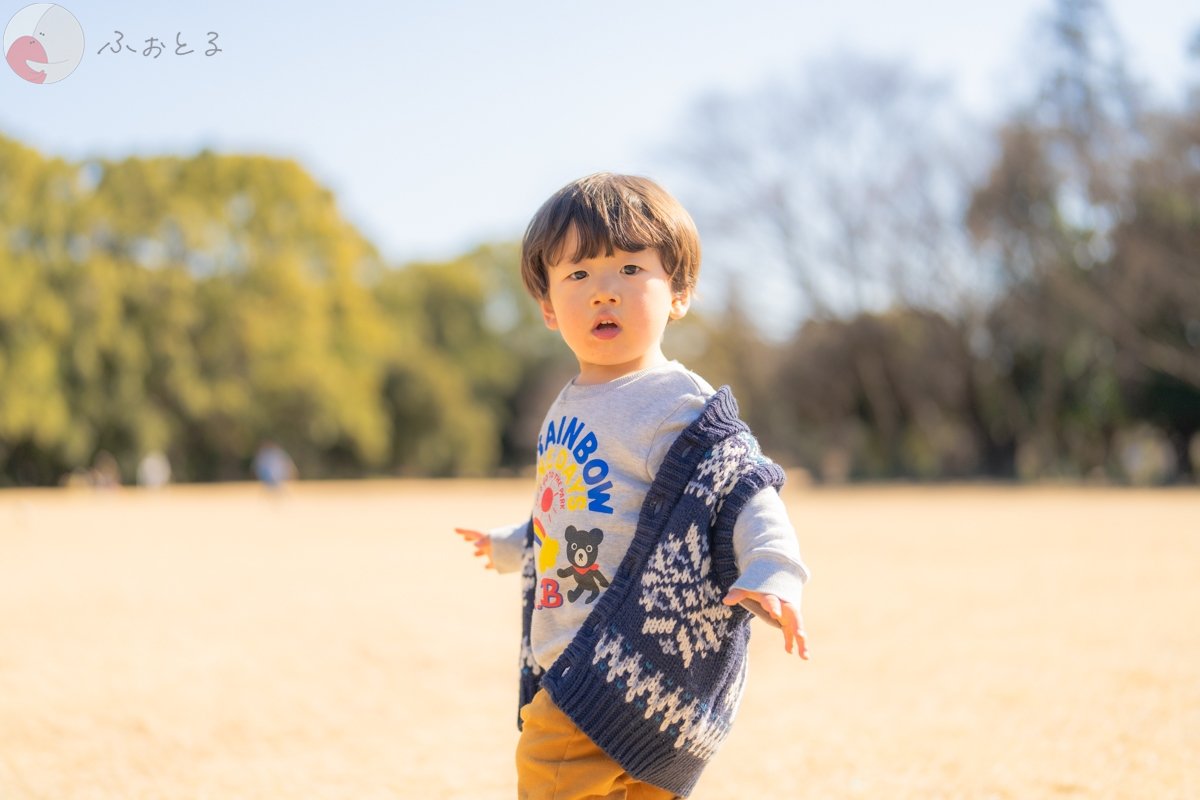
[781,612]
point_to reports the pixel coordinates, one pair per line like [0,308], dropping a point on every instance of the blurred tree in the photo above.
[1153,279]
[538,362]
[849,181]
[288,339]
[1074,200]
[37,431]
[924,370]
[195,305]
[470,366]
[440,371]
[849,185]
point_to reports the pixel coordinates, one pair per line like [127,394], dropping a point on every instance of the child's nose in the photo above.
[605,293]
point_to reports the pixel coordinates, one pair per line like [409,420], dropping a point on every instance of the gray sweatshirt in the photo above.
[599,449]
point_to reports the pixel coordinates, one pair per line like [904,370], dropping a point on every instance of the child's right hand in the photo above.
[482,542]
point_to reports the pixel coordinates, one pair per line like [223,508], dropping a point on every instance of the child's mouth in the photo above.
[606,329]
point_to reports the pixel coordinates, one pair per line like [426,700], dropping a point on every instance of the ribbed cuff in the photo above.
[773,575]
[508,546]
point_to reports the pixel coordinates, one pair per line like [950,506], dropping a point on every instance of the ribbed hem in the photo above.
[621,730]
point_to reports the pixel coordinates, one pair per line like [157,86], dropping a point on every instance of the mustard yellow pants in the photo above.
[556,761]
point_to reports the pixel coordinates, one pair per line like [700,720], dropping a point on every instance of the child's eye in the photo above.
[577,275]
[631,269]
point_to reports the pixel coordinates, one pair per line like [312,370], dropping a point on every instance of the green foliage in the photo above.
[202,305]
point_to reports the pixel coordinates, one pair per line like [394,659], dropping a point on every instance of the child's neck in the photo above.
[595,374]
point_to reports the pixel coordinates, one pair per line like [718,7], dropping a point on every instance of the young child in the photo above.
[656,519]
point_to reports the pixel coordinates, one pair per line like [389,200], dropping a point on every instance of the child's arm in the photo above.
[502,547]
[771,571]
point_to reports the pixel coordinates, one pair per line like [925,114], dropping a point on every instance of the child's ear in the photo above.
[548,315]
[680,303]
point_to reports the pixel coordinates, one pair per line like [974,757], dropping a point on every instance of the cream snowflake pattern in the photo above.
[718,473]
[684,613]
[699,728]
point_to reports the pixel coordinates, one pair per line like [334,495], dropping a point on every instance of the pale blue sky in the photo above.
[442,124]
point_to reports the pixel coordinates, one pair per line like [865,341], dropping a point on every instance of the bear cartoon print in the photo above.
[583,548]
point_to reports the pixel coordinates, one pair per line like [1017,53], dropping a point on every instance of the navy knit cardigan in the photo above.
[655,674]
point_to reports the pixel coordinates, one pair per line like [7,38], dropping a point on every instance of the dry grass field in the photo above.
[340,642]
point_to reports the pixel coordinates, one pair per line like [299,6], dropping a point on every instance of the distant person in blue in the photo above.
[273,466]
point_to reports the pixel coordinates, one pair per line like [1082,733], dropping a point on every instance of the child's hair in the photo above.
[610,212]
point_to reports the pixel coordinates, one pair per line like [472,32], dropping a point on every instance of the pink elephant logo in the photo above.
[43,43]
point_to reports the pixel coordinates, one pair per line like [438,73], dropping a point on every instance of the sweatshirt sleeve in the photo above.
[766,549]
[508,546]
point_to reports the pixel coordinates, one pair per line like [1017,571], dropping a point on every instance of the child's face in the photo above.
[612,310]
